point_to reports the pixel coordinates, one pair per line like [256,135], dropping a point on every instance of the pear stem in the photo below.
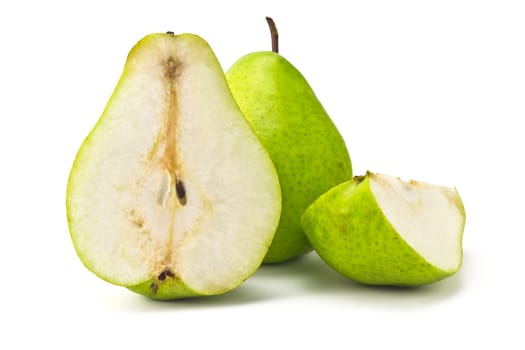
[274,33]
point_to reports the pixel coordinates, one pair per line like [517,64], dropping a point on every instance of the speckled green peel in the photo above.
[308,152]
[351,233]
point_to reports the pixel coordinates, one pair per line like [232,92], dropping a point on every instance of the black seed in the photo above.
[165,274]
[181,192]
[170,32]
[162,276]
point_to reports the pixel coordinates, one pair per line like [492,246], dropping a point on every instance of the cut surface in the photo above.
[429,218]
[172,181]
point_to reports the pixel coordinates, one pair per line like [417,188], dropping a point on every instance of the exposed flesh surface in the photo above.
[428,217]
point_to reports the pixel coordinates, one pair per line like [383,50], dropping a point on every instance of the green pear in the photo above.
[309,153]
[380,230]
[172,194]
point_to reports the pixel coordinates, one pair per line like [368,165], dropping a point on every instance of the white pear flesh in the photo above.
[425,216]
[172,181]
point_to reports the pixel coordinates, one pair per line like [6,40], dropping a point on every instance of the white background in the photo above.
[433,91]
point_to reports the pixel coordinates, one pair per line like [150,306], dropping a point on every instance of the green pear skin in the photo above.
[352,235]
[308,152]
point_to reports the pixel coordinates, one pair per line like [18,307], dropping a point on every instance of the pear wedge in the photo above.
[172,194]
[380,230]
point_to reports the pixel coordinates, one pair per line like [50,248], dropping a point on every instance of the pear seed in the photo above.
[164,274]
[181,192]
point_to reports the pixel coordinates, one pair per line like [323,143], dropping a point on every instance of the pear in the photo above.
[308,152]
[172,194]
[380,230]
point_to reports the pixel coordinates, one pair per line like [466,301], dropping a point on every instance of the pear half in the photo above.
[377,229]
[172,194]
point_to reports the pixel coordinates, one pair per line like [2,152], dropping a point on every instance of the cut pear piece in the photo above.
[377,229]
[172,194]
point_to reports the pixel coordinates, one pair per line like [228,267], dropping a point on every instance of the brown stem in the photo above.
[274,33]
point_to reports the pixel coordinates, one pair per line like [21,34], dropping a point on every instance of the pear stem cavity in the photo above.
[274,33]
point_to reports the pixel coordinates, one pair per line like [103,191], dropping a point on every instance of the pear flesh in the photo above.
[308,151]
[378,229]
[172,194]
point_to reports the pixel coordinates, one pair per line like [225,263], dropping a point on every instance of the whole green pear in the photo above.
[307,150]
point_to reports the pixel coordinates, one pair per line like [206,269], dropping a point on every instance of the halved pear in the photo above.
[305,145]
[377,229]
[172,194]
